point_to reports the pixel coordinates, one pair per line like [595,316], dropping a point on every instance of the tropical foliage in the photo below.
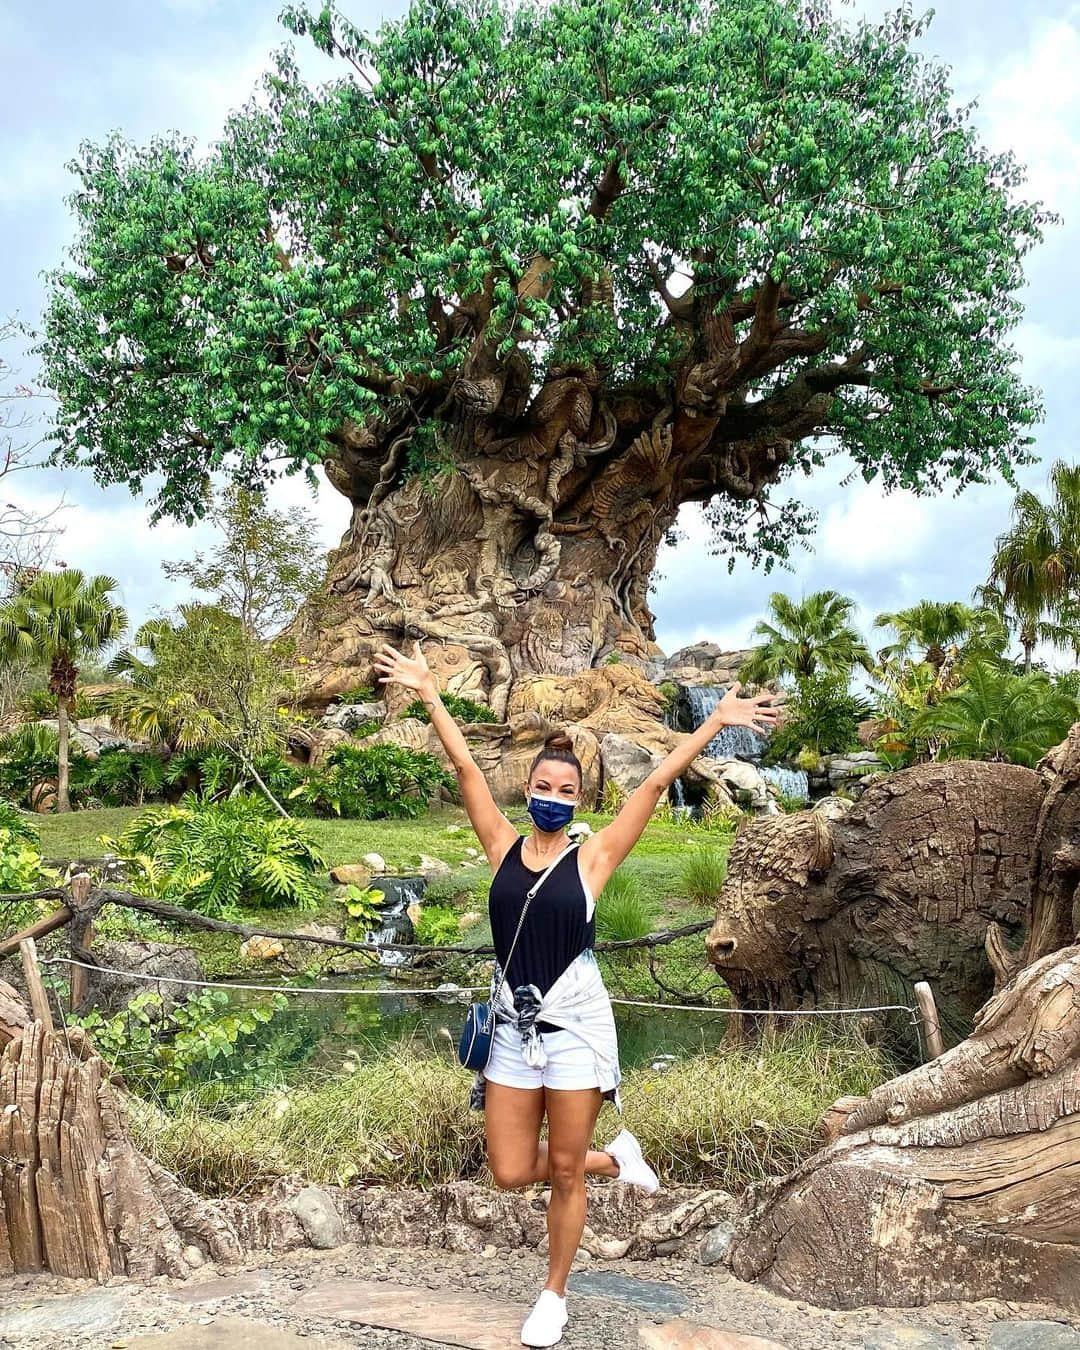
[461,709]
[807,637]
[998,715]
[373,782]
[822,715]
[1034,577]
[219,857]
[59,619]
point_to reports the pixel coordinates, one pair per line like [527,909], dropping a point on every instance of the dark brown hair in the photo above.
[558,746]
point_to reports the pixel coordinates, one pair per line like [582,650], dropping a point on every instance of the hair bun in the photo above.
[558,740]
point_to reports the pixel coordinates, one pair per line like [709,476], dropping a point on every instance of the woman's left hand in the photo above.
[754,713]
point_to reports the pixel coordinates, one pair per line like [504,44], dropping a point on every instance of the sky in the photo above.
[76,72]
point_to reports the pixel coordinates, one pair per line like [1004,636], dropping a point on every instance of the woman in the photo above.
[555,1052]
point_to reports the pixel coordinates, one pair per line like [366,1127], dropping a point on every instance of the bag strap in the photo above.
[530,895]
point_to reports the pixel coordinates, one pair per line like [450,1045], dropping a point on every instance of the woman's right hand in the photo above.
[412,672]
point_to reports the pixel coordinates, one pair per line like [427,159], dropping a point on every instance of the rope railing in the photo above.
[456,991]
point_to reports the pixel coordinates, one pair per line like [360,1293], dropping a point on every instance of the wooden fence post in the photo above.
[928,1016]
[81,935]
[39,1000]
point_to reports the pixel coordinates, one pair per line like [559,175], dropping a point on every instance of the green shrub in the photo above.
[20,858]
[125,777]
[703,874]
[363,693]
[624,909]
[163,1052]
[460,709]
[219,773]
[37,703]
[215,857]
[823,714]
[29,754]
[374,782]
[438,926]
[362,911]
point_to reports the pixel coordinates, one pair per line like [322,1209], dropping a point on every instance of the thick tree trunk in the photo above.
[76,1197]
[533,556]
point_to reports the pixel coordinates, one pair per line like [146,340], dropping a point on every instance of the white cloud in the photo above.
[868,528]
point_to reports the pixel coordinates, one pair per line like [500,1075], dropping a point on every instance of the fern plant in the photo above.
[219,857]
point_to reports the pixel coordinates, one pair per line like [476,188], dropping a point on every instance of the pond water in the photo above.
[317,1032]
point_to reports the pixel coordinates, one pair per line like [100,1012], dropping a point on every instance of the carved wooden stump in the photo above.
[76,1197]
[959,1180]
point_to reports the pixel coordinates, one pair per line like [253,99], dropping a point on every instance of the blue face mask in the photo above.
[550,814]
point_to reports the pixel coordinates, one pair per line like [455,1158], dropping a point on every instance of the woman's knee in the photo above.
[511,1176]
[566,1173]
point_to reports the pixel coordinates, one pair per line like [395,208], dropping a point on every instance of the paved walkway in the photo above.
[387,1299]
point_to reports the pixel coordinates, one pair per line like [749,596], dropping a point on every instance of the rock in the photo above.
[832,808]
[321,1222]
[433,866]
[650,1296]
[472,853]
[349,716]
[741,780]
[1034,1336]
[356,874]
[579,829]
[668,1247]
[43,796]
[626,764]
[682,1335]
[414,911]
[235,1333]
[259,948]
[714,1246]
[94,1312]
[317,930]
[470,918]
[91,735]
[374,861]
[193,1257]
[159,959]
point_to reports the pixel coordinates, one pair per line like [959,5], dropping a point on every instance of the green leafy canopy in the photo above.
[243,308]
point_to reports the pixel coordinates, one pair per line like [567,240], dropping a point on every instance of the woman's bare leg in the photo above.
[571,1121]
[516,1154]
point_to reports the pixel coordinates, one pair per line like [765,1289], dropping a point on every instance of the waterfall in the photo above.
[793,783]
[400,893]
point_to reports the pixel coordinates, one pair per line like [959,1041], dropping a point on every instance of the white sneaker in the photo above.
[633,1169]
[544,1325]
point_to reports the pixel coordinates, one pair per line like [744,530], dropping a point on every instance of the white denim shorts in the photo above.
[571,1064]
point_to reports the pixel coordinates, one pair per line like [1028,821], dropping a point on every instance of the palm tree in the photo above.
[934,626]
[807,637]
[998,715]
[1035,571]
[60,619]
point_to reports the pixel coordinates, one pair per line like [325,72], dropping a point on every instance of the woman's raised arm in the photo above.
[494,831]
[604,851]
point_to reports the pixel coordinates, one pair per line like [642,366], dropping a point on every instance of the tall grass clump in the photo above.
[625,910]
[703,874]
[722,1118]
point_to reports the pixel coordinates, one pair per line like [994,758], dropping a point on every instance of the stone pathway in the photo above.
[389,1299]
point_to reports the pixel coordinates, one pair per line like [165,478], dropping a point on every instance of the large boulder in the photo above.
[626,764]
[349,716]
[902,888]
[706,663]
[94,734]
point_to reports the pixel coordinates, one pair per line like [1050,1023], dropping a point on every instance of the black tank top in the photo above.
[555,931]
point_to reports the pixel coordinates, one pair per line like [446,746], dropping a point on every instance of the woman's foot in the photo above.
[544,1325]
[633,1169]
